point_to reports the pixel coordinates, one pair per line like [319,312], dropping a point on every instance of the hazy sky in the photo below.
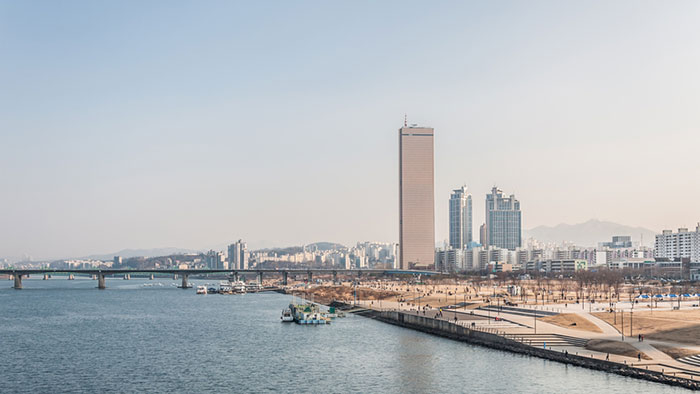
[191,124]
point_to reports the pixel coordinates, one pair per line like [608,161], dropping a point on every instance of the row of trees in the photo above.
[583,285]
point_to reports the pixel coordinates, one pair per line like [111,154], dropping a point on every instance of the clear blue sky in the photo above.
[145,124]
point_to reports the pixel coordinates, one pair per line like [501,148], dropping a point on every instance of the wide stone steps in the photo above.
[551,340]
[518,311]
[691,360]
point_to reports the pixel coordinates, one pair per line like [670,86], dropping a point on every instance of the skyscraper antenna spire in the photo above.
[405,120]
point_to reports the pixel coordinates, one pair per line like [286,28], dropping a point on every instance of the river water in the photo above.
[67,336]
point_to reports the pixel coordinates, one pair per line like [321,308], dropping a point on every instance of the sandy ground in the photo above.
[572,320]
[681,326]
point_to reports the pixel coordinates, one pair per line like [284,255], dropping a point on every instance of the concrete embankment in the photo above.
[454,331]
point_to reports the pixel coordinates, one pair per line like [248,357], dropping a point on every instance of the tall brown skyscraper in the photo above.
[416,198]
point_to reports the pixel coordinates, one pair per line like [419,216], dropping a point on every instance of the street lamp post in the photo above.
[622,312]
[418,300]
[489,311]
[455,305]
[535,320]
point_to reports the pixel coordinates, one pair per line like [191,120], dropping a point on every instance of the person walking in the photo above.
[607,357]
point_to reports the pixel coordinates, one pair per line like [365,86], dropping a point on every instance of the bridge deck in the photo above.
[29,271]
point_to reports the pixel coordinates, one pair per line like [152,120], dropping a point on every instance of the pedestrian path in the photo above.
[647,348]
[604,326]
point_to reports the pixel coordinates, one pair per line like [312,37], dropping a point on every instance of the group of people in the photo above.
[640,338]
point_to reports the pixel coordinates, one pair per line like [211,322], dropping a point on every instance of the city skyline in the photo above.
[128,137]
[174,172]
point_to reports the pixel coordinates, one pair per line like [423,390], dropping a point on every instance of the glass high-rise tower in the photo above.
[416,198]
[503,220]
[238,255]
[460,218]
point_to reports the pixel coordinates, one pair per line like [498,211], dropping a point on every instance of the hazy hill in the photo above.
[326,245]
[589,233]
[126,253]
[308,247]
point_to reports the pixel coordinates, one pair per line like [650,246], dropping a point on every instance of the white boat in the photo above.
[201,290]
[225,287]
[239,287]
[287,316]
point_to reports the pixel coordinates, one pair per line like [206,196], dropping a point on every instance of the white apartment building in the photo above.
[683,244]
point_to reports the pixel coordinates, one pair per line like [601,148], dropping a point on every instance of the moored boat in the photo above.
[308,314]
[225,287]
[287,316]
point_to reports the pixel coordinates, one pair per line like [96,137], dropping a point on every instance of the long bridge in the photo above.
[100,274]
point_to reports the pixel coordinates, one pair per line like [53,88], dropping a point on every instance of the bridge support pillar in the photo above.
[185,284]
[260,277]
[18,281]
[101,281]
[235,276]
[151,277]
[71,277]
[285,278]
[174,276]
[335,277]
[46,277]
[127,276]
[309,277]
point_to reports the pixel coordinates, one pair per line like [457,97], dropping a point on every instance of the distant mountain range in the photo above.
[589,233]
[126,253]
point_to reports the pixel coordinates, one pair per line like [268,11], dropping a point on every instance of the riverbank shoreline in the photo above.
[450,330]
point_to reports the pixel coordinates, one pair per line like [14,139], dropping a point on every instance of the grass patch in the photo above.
[676,352]
[614,347]
[573,321]
[674,326]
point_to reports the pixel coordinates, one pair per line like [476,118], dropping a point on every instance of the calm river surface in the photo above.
[66,336]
